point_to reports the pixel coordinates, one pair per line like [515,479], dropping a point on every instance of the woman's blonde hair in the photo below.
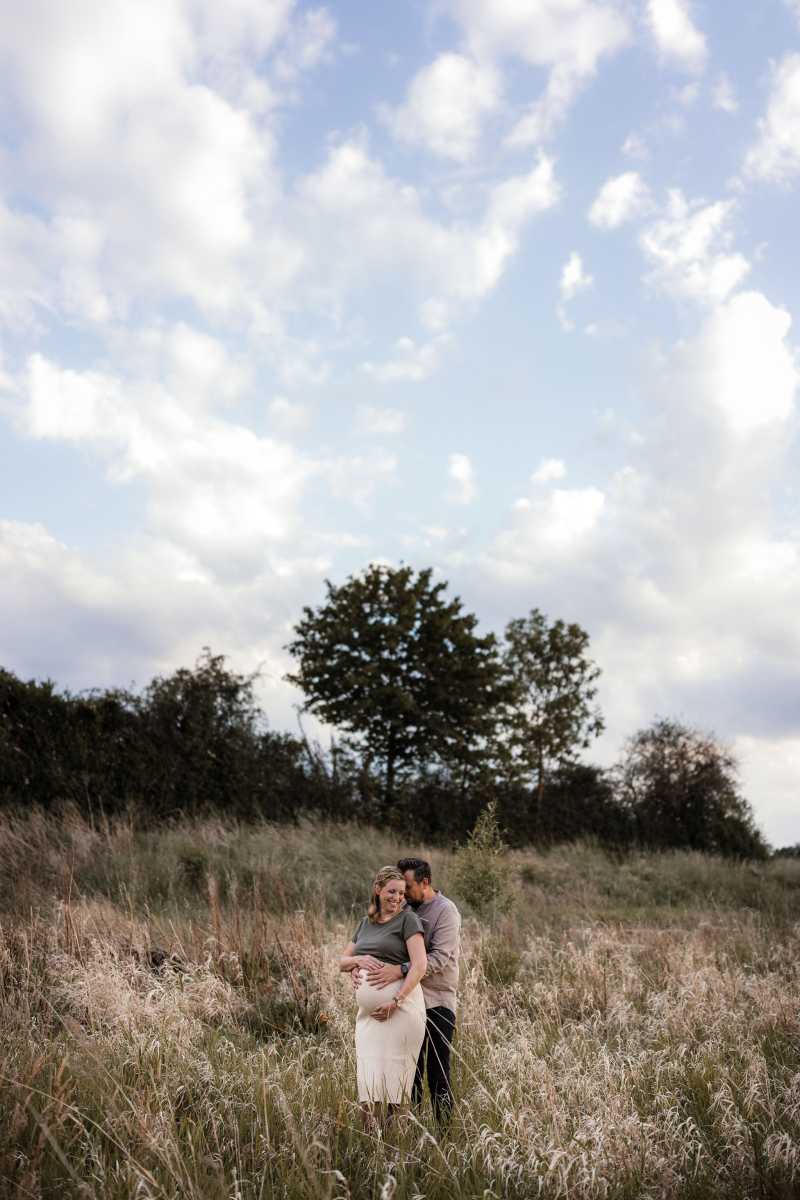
[381,879]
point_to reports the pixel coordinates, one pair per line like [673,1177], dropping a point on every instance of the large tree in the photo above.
[681,787]
[399,669]
[551,714]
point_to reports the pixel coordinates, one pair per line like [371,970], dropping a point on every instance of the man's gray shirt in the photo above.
[441,925]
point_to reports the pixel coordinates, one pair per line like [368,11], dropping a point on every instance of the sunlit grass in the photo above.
[172,1023]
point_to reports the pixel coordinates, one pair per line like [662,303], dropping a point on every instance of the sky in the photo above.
[509,289]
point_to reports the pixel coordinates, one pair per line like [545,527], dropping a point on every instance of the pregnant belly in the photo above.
[370,997]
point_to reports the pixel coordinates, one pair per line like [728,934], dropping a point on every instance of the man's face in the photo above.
[415,892]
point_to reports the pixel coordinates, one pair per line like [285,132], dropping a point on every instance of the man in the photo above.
[441,923]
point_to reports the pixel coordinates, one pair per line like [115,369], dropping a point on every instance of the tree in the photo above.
[481,873]
[400,670]
[208,747]
[682,789]
[550,716]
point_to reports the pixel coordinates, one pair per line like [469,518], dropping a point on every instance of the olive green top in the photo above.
[387,940]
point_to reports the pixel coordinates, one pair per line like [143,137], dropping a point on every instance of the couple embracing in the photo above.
[403,960]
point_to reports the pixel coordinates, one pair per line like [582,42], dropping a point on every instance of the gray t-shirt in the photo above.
[387,941]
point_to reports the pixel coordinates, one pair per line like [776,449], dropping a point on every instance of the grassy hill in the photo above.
[173,1024]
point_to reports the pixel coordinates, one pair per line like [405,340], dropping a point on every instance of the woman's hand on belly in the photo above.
[384,974]
[384,1012]
[370,997]
[369,962]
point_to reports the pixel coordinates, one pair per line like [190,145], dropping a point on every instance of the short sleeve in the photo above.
[411,924]
[359,927]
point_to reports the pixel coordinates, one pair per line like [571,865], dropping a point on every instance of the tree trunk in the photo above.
[539,796]
[388,793]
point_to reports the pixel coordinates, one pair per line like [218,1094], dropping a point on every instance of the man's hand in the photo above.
[384,974]
[384,1012]
[355,978]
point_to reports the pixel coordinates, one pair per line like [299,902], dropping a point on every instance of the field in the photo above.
[172,1022]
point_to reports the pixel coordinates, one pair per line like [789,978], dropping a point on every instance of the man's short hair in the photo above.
[421,868]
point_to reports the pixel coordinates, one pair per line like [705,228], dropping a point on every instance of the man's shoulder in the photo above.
[442,904]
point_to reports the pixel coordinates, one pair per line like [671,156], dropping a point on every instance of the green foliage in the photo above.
[551,714]
[194,741]
[422,699]
[481,872]
[400,669]
[681,789]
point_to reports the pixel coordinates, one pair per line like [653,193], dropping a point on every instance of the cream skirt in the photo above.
[387,1051]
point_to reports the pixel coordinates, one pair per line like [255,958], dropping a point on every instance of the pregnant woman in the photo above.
[390,1025]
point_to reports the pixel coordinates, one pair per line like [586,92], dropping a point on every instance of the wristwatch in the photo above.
[404,967]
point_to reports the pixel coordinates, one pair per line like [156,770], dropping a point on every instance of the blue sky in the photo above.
[510,289]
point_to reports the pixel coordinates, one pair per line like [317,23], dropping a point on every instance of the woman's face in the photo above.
[392,895]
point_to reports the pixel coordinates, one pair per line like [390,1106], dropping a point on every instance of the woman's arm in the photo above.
[419,962]
[349,961]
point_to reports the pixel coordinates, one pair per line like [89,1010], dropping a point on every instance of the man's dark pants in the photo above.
[435,1054]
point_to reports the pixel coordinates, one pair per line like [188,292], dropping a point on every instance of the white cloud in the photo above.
[549,528]
[548,469]
[543,118]
[153,140]
[620,199]
[574,280]
[289,416]
[351,201]
[434,313]
[580,31]
[445,106]
[769,771]
[308,43]
[635,146]
[567,36]
[147,609]
[196,368]
[215,489]
[749,373]
[155,182]
[356,478]
[24,289]
[573,277]
[687,95]
[461,473]
[513,201]
[723,96]
[673,558]
[382,421]
[689,250]
[675,34]
[775,157]
[238,25]
[412,362]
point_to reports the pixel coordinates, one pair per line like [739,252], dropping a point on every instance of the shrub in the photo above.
[481,873]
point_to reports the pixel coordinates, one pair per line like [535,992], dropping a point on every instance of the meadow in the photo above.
[173,1022]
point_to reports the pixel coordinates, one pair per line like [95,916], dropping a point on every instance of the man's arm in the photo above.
[443,948]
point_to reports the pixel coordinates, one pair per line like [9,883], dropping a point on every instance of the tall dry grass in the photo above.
[172,1023]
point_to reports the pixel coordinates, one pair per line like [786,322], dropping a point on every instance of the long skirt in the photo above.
[387,1051]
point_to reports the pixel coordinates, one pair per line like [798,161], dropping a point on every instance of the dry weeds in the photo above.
[202,1046]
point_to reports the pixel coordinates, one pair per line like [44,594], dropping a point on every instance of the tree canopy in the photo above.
[681,787]
[399,668]
[550,714]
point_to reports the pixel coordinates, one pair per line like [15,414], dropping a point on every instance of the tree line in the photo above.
[433,720]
